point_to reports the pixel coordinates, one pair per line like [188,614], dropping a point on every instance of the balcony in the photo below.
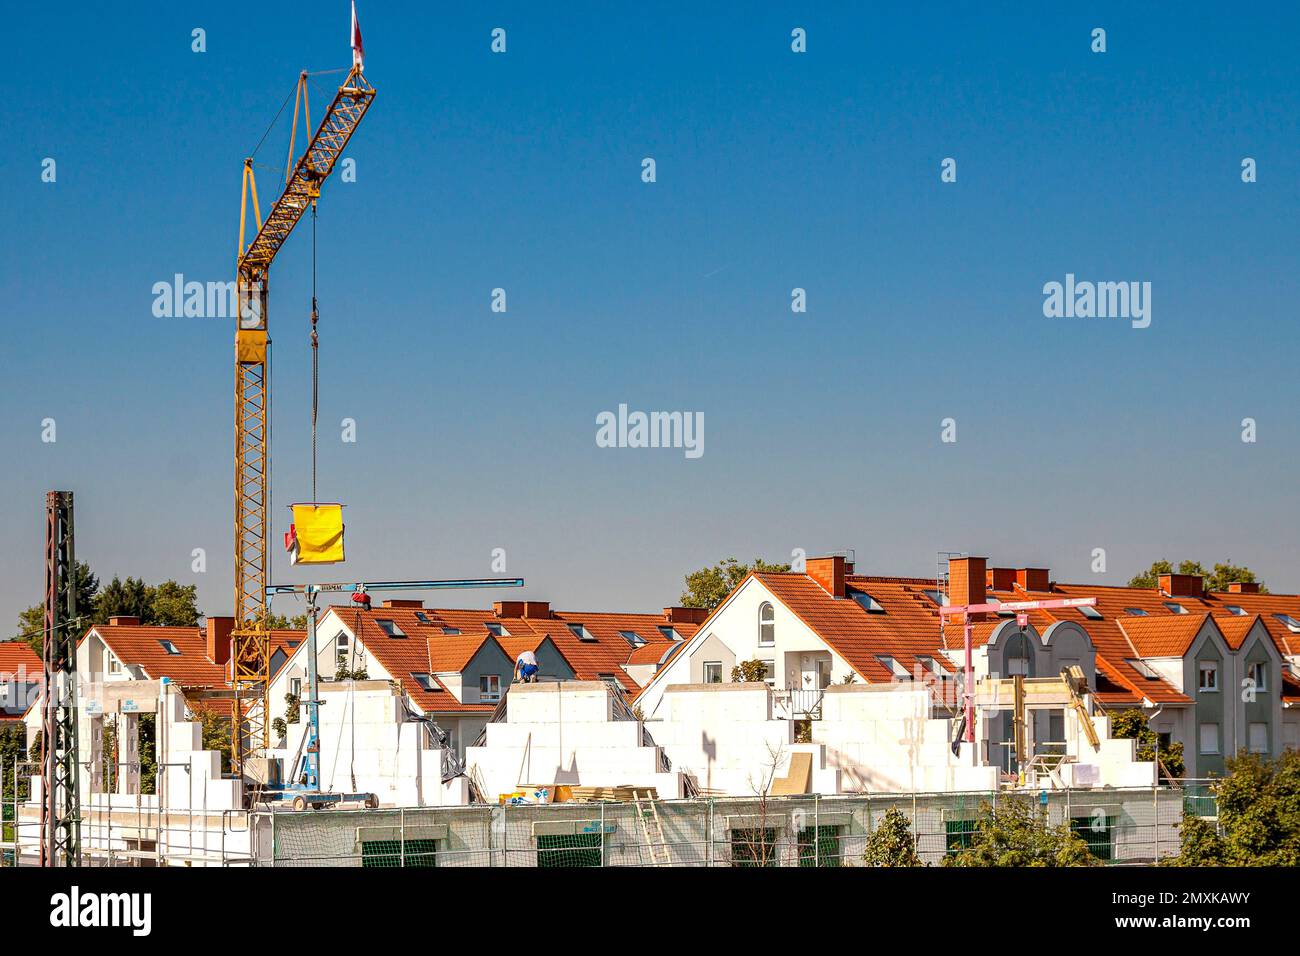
[797,704]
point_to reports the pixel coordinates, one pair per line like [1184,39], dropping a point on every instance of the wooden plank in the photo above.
[797,778]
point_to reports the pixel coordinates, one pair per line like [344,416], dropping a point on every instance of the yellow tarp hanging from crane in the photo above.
[318,533]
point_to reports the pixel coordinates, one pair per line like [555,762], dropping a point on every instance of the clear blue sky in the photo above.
[775,170]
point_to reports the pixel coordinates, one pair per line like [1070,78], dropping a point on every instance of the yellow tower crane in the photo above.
[250,640]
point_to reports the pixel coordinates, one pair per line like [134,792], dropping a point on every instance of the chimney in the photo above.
[217,632]
[508,608]
[1243,587]
[537,609]
[828,572]
[1000,579]
[966,580]
[403,603]
[1034,579]
[1182,585]
[124,620]
[686,615]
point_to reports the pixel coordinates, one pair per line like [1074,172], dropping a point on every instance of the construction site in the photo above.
[781,727]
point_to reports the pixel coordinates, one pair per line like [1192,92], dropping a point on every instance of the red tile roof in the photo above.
[428,648]
[139,645]
[17,657]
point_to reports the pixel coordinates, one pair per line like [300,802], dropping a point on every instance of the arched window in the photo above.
[766,624]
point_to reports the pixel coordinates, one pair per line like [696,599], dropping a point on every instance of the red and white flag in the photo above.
[358,51]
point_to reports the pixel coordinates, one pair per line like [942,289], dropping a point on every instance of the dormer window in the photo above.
[113,665]
[766,624]
[425,681]
[497,630]
[668,632]
[632,637]
[896,669]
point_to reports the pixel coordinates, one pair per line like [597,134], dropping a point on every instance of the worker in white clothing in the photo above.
[526,668]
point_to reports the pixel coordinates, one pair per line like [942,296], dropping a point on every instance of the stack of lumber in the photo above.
[620,794]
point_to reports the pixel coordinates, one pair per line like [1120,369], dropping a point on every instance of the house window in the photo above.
[769,673]
[581,633]
[1091,613]
[497,630]
[395,853]
[489,687]
[819,846]
[422,617]
[114,666]
[390,627]
[425,681]
[896,670]
[1290,621]
[341,647]
[1259,675]
[713,672]
[295,686]
[868,603]
[753,846]
[668,632]
[766,625]
[612,680]
[572,849]
[1209,738]
[1209,676]
[632,637]
[1175,607]
[1234,609]
[1143,668]
[1135,611]
[451,630]
[169,647]
[1259,738]
[958,835]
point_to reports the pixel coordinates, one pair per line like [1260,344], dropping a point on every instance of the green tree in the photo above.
[891,843]
[1015,833]
[709,587]
[174,605]
[1259,816]
[1132,723]
[278,622]
[749,672]
[215,732]
[129,598]
[31,621]
[1224,573]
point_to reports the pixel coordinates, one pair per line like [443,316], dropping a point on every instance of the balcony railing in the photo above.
[798,703]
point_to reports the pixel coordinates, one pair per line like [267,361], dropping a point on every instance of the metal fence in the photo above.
[1119,826]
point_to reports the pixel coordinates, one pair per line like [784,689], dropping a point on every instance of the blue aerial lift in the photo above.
[303,788]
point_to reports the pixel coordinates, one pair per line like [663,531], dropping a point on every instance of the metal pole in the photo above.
[311,753]
[817,830]
[1155,793]
[401,832]
[968,630]
[708,836]
[602,836]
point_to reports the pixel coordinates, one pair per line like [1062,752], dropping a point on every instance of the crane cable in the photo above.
[315,354]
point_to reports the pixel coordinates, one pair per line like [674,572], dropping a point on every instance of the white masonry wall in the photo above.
[565,733]
[368,744]
[724,735]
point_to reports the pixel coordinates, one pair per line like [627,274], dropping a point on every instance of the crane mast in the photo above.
[250,639]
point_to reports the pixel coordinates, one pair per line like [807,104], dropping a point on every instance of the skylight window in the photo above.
[928,663]
[497,629]
[632,637]
[390,627]
[169,647]
[894,667]
[1234,609]
[424,680]
[581,633]
[1143,668]
[451,630]
[868,603]
[935,596]
[612,680]
[1291,622]
[422,617]
[1091,613]
[1135,611]
[1175,607]
[668,632]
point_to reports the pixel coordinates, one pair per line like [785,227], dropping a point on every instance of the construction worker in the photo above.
[526,668]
